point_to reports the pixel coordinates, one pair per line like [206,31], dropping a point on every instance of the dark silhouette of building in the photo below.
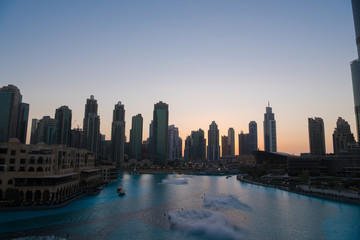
[197,147]
[355,66]
[269,130]
[118,135]
[243,143]
[159,141]
[213,151]
[14,114]
[63,119]
[136,137]
[253,141]
[91,106]
[343,139]
[316,136]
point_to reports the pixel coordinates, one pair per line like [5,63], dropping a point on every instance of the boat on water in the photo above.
[122,193]
[119,188]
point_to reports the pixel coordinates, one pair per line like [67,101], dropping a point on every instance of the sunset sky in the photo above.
[209,60]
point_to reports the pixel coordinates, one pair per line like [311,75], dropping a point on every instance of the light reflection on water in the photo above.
[251,212]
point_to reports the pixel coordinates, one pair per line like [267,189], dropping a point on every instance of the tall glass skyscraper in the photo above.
[316,136]
[269,130]
[213,149]
[355,65]
[136,137]
[63,118]
[231,141]
[91,106]
[253,142]
[118,135]
[13,114]
[159,143]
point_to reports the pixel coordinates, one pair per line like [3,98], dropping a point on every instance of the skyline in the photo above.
[222,63]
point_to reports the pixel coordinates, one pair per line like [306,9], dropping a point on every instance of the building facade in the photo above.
[91,107]
[253,140]
[136,137]
[198,146]
[270,141]
[44,174]
[47,131]
[225,147]
[243,143]
[13,114]
[213,151]
[93,136]
[343,139]
[316,136]
[118,135]
[174,143]
[63,119]
[355,66]
[231,142]
[159,130]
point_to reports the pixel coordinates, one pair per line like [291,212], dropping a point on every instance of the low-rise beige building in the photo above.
[44,174]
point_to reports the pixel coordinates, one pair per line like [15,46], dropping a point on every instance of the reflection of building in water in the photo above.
[43,174]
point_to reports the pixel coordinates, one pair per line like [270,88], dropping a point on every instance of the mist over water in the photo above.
[162,206]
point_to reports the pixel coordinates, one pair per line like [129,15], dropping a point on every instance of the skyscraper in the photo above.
[269,130]
[90,107]
[225,147]
[63,119]
[34,124]
[342,136]
[231,142]
[118,135]
[253,142]
[47,131]
[13,114]
[243,143]
[213,151]
[198,146]
[174,143]
[355,65]
[93,133]
[316,136]
[159,142]
[187,148]
[136,137]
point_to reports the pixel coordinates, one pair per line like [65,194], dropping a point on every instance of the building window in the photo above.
[11,169]
[32,160]
[23,151]
[10,182]
[40,160]
[13,152]
[2,160]
[3,150]
[22,161]
[22,169]
[31,169]
[12,160]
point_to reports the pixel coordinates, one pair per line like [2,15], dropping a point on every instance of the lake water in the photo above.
[178,207]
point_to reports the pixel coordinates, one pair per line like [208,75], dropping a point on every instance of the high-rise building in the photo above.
[316,136]
[159,143]
[13,114]
[118,135]
[47,131]
[197,146]
[76,138]
[33,137]
[355,65]
[93,133]
[187,150]
[225,147]
[269,130]
[253,142]
[231,142]
[243,143]
[174,143]
[343,139]
[63,118]
[91,107]
[213,151]
[136,137]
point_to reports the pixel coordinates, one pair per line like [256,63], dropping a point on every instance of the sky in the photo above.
[219,61]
